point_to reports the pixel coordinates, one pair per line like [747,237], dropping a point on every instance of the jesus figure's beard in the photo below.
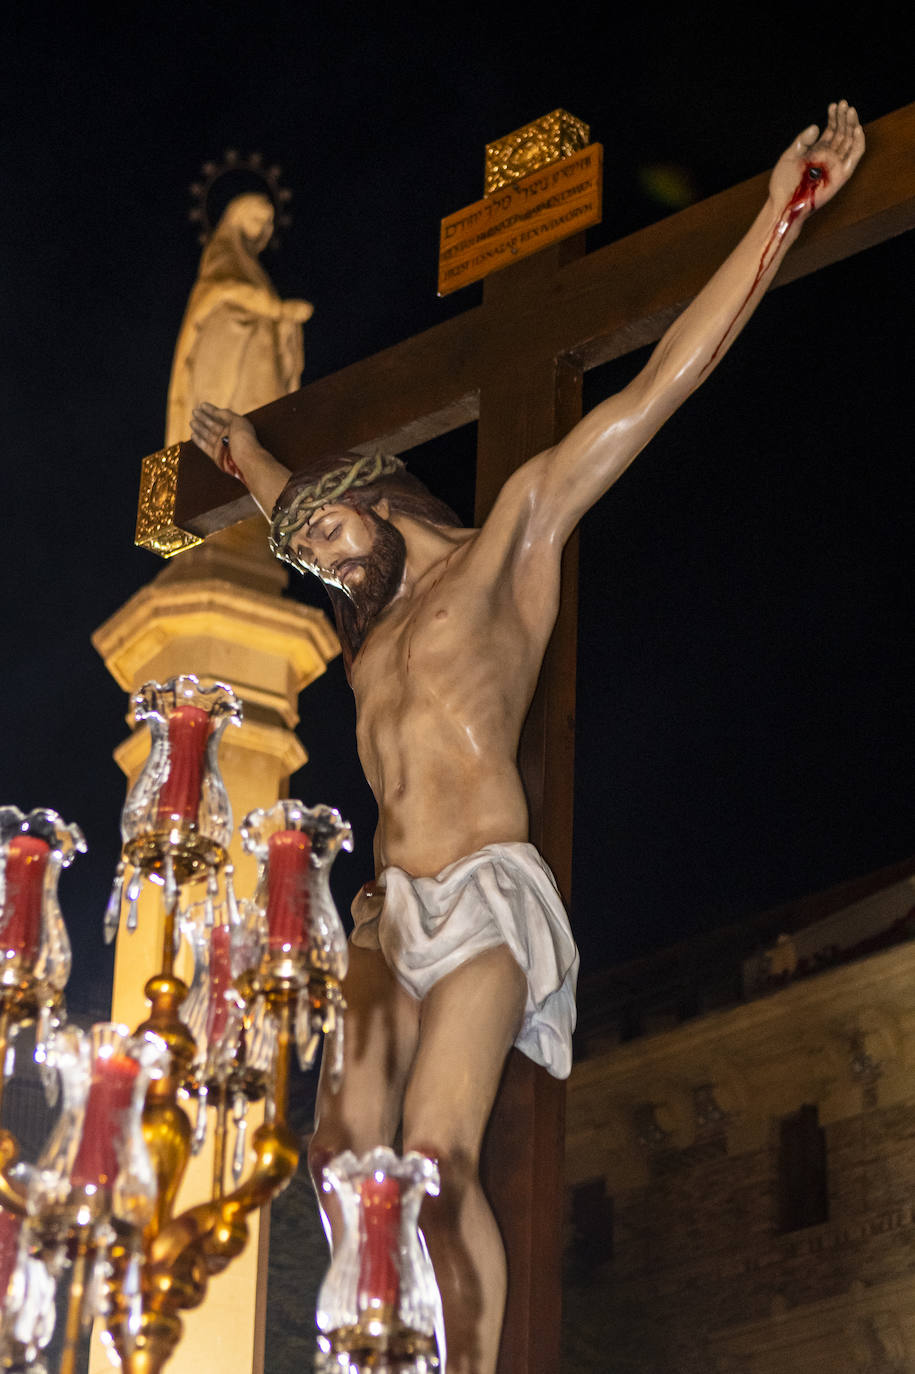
[382,571]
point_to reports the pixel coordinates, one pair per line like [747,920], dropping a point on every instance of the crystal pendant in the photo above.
[113,909]
[225,945]
[198,1139]
[241,1137]
[29,1308]
[134,890]
[307,1034]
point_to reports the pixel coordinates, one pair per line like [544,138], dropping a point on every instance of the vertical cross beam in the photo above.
[525,408]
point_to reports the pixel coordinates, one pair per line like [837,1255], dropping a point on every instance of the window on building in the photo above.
[802,1182]
[591,1237]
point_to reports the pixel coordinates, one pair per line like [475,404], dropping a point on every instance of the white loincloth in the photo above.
[503,894]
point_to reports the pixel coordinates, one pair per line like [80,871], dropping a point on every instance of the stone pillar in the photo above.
[267,650]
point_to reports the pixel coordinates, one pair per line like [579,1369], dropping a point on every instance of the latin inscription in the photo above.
[543,208]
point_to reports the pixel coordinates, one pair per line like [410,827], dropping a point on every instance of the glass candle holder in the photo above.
[93,1185]
[95,1168]
[225,944]
[379,1304]
[35,953]
[28,1291]
[232,1059]
[303,942]
[177,821]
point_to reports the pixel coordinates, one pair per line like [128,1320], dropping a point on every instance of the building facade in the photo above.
[741,1149]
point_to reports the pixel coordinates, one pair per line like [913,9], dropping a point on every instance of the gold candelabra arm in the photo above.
[277,1160]
[188,1249]
[277,1152]
[218,1228]
[12,1192]
[182,1252]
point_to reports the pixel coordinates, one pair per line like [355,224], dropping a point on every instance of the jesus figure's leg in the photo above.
[381,1030]
[468,1023]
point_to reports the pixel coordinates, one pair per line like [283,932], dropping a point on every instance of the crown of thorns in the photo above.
[288,518]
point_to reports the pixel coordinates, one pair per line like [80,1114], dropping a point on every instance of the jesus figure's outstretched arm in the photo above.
[566,481]
[231,442]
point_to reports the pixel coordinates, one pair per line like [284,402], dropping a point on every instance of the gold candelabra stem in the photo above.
[168,935]
[166,1126]
[75,1303]
[283,1002]
[4,1036]
[219,1145]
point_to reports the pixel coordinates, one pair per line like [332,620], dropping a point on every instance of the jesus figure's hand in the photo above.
[231,442]
[223,436]
[809,173]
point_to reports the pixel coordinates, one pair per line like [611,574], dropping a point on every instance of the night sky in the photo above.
[744,727]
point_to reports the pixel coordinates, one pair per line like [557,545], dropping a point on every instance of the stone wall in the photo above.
[690,1272]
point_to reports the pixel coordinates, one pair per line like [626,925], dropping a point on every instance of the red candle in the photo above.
[188,732]
[379,1276]
[26,861]
[289,855]
[220,982]
[9,1246]
[110,1092]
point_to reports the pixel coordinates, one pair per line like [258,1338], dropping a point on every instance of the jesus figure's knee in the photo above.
[458,1172]
[467,1255]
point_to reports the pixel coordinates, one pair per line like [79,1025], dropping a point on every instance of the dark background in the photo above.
[744,731]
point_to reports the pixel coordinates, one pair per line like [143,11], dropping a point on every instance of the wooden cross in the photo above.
[515,364]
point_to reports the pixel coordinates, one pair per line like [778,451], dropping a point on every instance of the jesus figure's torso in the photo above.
[442,686]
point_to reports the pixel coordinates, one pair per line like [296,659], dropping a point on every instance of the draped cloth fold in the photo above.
[502,894]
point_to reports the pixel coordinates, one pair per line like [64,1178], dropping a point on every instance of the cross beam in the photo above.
[515,364]
[594,309]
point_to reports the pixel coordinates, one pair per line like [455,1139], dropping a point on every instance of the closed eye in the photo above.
[326,533]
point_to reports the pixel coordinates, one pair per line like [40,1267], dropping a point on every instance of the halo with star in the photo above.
[245,168]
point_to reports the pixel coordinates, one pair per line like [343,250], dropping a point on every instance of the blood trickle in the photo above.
[379,1277]
[814,176]
[230,466]
[188,732]
[288,895]
[26,862]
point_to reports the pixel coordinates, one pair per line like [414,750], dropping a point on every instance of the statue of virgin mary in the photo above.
[240,345]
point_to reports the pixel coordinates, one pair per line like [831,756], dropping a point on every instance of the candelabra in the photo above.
[267,982]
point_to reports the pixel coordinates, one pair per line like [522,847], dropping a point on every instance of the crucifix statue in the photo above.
[461,947]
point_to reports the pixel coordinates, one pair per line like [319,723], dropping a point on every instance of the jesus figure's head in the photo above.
[351,541]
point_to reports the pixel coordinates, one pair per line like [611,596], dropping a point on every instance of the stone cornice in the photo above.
[268,648]
[844,1039]
[850,1332]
